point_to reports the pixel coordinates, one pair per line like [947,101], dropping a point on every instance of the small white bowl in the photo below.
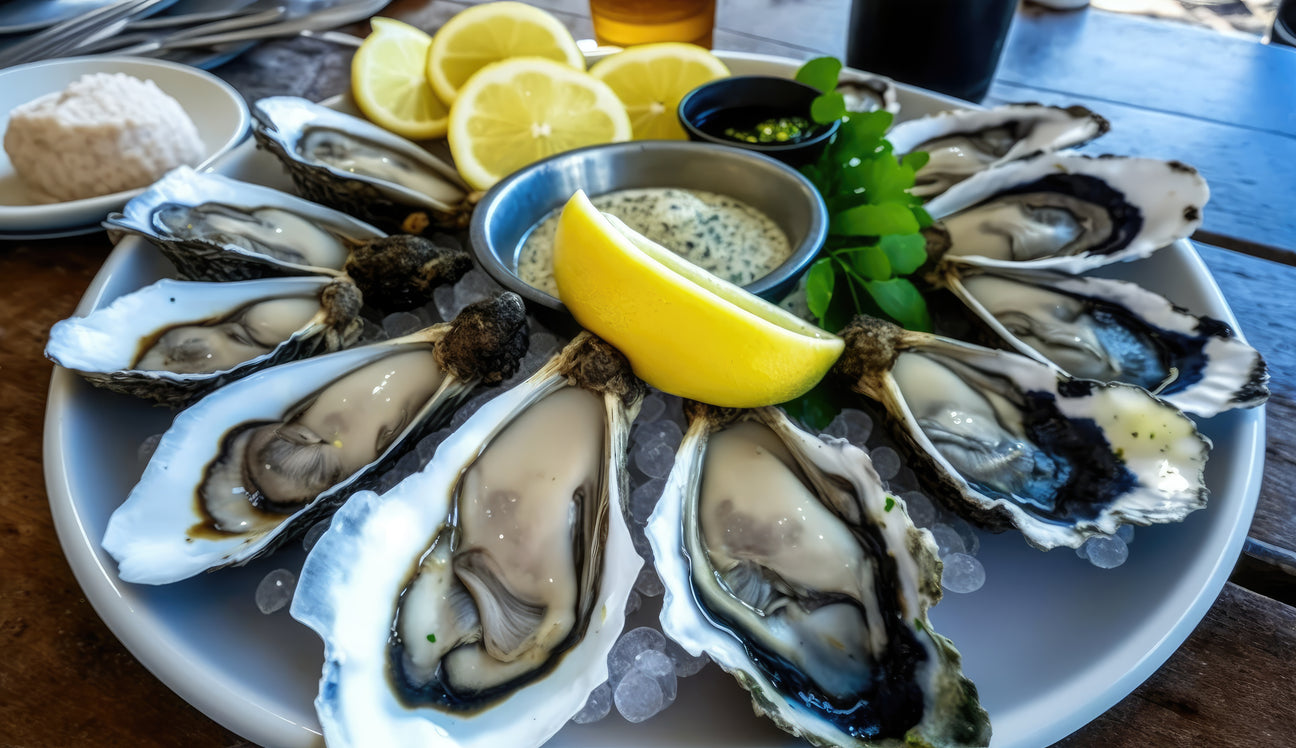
[217,110]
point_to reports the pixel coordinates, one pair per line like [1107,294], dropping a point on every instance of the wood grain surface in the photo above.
[65,679]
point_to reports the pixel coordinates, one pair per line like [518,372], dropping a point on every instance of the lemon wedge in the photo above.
[650,80]
[684,330]
[389,84]
[521,110]
[481,34]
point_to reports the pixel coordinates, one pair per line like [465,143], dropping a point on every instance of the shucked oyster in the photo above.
[214,228]
[1065,212]
[962,142]
[475,603]
[784,560]
[242,470]
[1114,331]
[1008,441]
[355,166]
[175,341]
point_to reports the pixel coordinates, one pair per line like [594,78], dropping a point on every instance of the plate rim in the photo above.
[226,703]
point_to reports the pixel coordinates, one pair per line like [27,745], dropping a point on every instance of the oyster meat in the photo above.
[175,341]
[477,600]
[1066,212]
[349,163]
[785,560]
[962,142]
[1008,441]
[1115,331]
[257,461]
[865,92]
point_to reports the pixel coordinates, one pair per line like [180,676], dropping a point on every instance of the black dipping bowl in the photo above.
[776,97]
[508,212]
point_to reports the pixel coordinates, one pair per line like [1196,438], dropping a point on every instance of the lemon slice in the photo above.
[482,34]
[514,112]
[389,84]
[684,330]
[651,79]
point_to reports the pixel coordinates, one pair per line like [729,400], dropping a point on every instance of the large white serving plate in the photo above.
[1050,641]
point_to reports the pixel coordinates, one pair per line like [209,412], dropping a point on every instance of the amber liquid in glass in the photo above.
[626,22]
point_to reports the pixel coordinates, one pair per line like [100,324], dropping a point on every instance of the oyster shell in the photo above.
[475,603]
[175,341]
[1115,331]
[1008,441]
[865,92]
[214,228]
[355,166]
[784,559]
[246,468]
[963,142]
[1066,212]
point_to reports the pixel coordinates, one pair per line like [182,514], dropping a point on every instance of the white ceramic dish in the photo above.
[1050,641]
[216,108]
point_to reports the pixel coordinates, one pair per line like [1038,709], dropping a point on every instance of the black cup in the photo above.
[950,46]
[755,97]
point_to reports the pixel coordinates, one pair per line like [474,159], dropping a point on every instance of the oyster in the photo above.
[865,92]
[1008,441]
[1066,212]
[246,468]
[355,166]
[1115,331]
[962,142]
[784,560]
[214,228]
[475,603]
[175,341]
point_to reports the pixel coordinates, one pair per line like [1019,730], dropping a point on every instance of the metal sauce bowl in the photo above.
[513,207]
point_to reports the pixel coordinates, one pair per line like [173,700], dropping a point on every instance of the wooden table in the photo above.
[1225,104]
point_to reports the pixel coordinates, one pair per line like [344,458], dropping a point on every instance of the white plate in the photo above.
[217,110]
[1050,641]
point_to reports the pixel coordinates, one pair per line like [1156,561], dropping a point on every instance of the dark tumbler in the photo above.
[1284,25]
[951,46]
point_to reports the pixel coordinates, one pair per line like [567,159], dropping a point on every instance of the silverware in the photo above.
[86,28]
[144,42]
[317,21]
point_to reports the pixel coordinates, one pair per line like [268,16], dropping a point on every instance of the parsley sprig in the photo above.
[874,225]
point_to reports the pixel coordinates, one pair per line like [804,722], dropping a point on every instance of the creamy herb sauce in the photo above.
[724,236]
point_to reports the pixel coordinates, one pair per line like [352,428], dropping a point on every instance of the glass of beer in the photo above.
[625,22]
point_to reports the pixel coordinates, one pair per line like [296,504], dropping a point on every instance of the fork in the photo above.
[86,28]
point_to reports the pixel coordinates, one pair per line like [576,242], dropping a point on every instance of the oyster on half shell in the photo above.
[257,461]
[784,559]
[963,142]
[1065,212]
[1114,331]
[1008,441]
[353,165]
[475,602]
[174,341]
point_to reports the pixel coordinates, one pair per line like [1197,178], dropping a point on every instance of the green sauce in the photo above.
[773,130]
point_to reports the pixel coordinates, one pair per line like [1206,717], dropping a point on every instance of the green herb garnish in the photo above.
[890,503]
[874,228]
[431,638]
